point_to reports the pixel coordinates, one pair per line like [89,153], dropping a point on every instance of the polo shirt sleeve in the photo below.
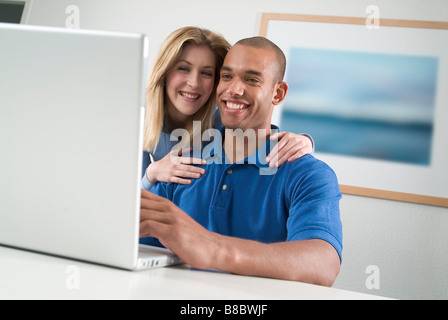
[314,207]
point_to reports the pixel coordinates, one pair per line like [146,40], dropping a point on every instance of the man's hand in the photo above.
[177,231]
[313,261]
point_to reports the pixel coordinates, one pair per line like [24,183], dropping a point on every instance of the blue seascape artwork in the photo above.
[368,105]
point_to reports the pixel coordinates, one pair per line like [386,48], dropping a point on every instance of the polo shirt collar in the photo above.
[258,158]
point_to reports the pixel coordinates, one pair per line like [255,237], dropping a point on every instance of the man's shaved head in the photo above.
[264,43]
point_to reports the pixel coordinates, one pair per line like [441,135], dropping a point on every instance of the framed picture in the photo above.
[373,96]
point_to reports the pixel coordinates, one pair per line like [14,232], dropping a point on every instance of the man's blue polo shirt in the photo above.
[249,200]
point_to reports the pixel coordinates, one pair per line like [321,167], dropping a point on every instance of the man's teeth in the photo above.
[189,96]
[235,106]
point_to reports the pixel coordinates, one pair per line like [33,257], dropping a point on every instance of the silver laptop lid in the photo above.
[71,119]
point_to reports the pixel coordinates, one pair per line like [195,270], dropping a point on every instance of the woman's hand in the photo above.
[290,147]
[174,168]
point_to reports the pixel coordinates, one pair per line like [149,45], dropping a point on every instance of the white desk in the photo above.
[28,275]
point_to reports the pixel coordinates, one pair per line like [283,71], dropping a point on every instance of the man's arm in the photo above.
[312,261]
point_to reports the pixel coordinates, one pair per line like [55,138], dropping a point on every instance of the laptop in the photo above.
[71,126]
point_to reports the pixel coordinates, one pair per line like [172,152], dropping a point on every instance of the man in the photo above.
[284,225]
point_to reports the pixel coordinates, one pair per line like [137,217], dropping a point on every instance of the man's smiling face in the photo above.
[248,88]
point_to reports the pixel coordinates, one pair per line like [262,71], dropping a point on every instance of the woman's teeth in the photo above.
[189,95]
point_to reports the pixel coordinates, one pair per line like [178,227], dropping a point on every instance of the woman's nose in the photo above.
[193,80]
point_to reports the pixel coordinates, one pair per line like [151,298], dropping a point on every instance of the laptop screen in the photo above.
[11,12]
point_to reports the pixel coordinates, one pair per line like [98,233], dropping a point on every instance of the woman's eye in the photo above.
[207,73]
[185,69]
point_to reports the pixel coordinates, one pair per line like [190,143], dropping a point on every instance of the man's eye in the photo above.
[225,76]
[253,80]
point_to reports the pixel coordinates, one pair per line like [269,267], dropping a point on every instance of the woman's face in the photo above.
[190,82]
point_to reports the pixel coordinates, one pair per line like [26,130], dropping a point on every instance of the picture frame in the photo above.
[414,115]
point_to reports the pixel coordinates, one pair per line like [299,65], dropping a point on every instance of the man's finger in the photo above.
[148,204]
[145,194]
[155,215]
[151,228]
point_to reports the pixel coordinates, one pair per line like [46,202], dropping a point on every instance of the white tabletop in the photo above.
[29,275]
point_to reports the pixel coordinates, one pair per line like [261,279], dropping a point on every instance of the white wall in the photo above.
[407,242]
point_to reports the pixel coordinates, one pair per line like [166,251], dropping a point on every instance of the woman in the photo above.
[181,90]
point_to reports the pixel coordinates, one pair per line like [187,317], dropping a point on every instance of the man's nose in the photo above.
[236,87]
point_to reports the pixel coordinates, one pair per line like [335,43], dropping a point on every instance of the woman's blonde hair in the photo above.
[169,54]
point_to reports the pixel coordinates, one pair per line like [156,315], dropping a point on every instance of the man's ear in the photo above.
[281,89]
